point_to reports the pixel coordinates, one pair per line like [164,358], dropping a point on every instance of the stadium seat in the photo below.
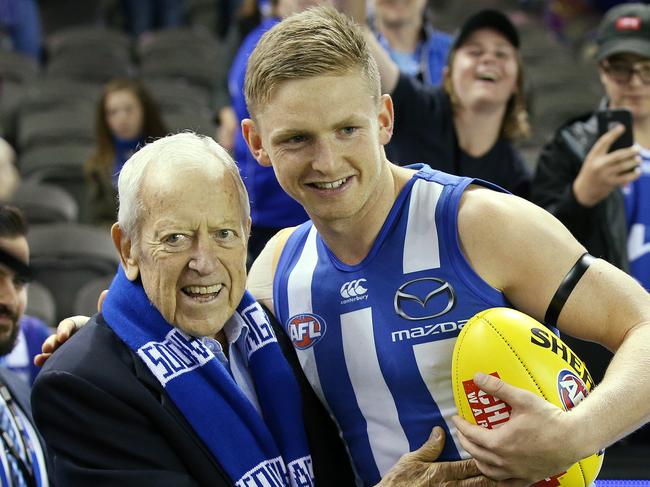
[85,302]
[52,93]
[45,203]
[177,96]
[63,125]
[165,55]
[93,66]
[40,303]
[11,96]
[65,256]
[85,38]
[17,68]
[200,122]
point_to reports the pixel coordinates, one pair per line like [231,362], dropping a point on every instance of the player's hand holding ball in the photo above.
[515,422]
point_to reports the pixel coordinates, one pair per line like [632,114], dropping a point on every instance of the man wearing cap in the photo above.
[21,451]
[466,126]
[603,197]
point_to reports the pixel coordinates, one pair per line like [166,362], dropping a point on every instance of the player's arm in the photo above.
[525,252]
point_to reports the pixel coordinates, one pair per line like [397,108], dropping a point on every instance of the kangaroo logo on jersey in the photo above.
[571,389]
[305,330]
[424,299]
[352,289]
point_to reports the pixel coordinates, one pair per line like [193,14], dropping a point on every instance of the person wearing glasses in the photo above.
[603,195]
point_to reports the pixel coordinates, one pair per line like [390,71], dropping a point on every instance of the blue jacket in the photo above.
[271,207]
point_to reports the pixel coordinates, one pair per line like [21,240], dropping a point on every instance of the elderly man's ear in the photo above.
[124,247]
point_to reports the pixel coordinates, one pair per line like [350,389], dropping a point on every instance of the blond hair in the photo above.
[515,124]
[319,41]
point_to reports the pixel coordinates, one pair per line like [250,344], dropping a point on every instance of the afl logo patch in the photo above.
[305,330]
[571,389]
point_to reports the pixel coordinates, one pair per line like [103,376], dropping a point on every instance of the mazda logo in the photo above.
[421,291]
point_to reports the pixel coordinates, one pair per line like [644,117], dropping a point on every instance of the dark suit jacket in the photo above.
[107,421]
[20,394]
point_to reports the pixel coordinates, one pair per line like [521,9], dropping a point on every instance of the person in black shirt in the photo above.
[465,127]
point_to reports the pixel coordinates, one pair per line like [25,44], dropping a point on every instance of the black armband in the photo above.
[566,288]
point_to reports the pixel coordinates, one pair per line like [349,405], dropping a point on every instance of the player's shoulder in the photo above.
[262,272]
[481,206]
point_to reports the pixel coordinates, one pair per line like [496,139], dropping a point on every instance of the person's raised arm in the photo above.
[388,70]
[526,253]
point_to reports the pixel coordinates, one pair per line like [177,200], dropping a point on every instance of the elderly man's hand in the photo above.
[420,469]
[534,444]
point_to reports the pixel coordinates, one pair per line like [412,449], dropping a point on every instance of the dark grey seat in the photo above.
[201,122]
[60,165]
[45,203]
[40,303]
[62,125]
[183,54]
[86,300]
[66,256]
[17,67]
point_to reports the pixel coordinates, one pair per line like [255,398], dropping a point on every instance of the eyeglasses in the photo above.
[622,72]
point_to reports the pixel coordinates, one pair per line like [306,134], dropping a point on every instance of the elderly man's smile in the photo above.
[202,294]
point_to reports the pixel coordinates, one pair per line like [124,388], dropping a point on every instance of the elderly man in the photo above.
[21,452]
[180,380]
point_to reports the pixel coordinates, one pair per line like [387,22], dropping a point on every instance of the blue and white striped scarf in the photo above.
[253,451]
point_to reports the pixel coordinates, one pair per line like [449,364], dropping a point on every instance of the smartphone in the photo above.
[607,120]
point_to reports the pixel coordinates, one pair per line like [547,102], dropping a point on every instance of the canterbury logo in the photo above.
[353,288]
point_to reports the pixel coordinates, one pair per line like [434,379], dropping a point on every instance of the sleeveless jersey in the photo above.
[375,339]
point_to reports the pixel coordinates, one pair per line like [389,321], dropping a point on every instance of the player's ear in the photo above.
[254,142]
[385,118]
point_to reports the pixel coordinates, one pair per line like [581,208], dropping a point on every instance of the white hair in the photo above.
[186,149]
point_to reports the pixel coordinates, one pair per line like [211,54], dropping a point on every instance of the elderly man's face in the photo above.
[191,252]
[13,293]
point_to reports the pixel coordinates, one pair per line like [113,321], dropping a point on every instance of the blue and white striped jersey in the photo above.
[375,339]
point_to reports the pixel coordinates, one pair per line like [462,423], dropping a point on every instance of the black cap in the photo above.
[625,28]
[488,18]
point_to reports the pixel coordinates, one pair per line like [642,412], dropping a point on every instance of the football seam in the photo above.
[494,328]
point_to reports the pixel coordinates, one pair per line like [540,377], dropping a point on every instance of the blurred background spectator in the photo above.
[467,126]
[126,118]
[20,19]
[405,29]
[271,208]
[149,15]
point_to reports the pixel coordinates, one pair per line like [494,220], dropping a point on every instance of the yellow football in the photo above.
[516,348]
